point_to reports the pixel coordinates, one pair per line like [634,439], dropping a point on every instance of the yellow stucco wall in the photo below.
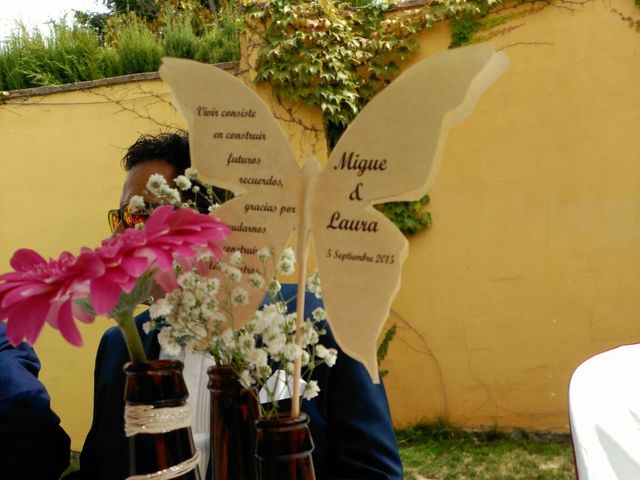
[531,265]
[533,261]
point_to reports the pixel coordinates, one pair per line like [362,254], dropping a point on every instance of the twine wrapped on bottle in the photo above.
[158,422]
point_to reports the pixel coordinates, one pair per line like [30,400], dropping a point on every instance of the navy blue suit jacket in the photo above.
[350,419]
[33,446]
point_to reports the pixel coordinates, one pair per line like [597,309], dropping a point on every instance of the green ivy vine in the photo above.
[338,54]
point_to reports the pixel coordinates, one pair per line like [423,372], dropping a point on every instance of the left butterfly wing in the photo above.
[237,144]
[389,152]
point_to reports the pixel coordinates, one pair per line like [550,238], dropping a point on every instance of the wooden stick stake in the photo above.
[309,175]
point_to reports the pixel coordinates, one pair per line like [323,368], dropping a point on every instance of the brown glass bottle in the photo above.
[158,383]
[283,448]
[234,410]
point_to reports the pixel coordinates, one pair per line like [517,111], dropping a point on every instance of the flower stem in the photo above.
[132,339]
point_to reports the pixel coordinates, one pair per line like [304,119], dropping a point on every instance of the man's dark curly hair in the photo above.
[173,148]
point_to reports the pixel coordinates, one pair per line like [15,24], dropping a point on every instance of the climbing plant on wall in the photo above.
[337,55]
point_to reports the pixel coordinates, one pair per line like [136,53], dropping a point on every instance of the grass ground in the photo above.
[440,452]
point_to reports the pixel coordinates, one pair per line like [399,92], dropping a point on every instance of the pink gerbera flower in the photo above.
[41,291]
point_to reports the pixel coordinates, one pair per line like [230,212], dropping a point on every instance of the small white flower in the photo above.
[288,255]
[191,173]
[136,203]
[156,184]
[245,379]
[236,258]
[168,343]
[311,390]
[171,194]
[227,337]
[232,273]
[304,358]
[288,368]
[213,286]
[319,314]
[264,253]
[309,335]
[273,288]
[213,207]
[313,285]
[146,327]
[182,182]
[261,322]
[331,357]
[239,296]
[259,358]
[204,255]
[246,342]
[291,351]
[285,267]
[160,308]
[195,189]
[256,280]
[275,342]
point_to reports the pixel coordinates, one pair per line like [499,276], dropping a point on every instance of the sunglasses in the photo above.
[129,218]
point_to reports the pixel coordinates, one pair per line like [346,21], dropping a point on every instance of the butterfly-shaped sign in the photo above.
[390,152]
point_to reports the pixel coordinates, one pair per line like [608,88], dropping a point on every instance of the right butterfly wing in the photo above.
[237,144]
[389,152]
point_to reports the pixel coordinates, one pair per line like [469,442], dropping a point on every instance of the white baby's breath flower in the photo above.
[288,255]
[215,319]
[256,280]
[236,258]
[156,183]
[273,288]
[232,273]
[195,189]
[285,267]
[182,182]
[136,203]
[227,337]
[275,342]
[170,194]
[264,253]
[213,286]
[260,322]
[213,207]
[259,358]
[288,368]
[239,296]
[191,173]
[305,357]
[329,355]
[313,285]
[311,390]
[291,351]
[245,379]
[168,343]
[246,342]
[319,314]
[204,255]
[160,308]
[309,335]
